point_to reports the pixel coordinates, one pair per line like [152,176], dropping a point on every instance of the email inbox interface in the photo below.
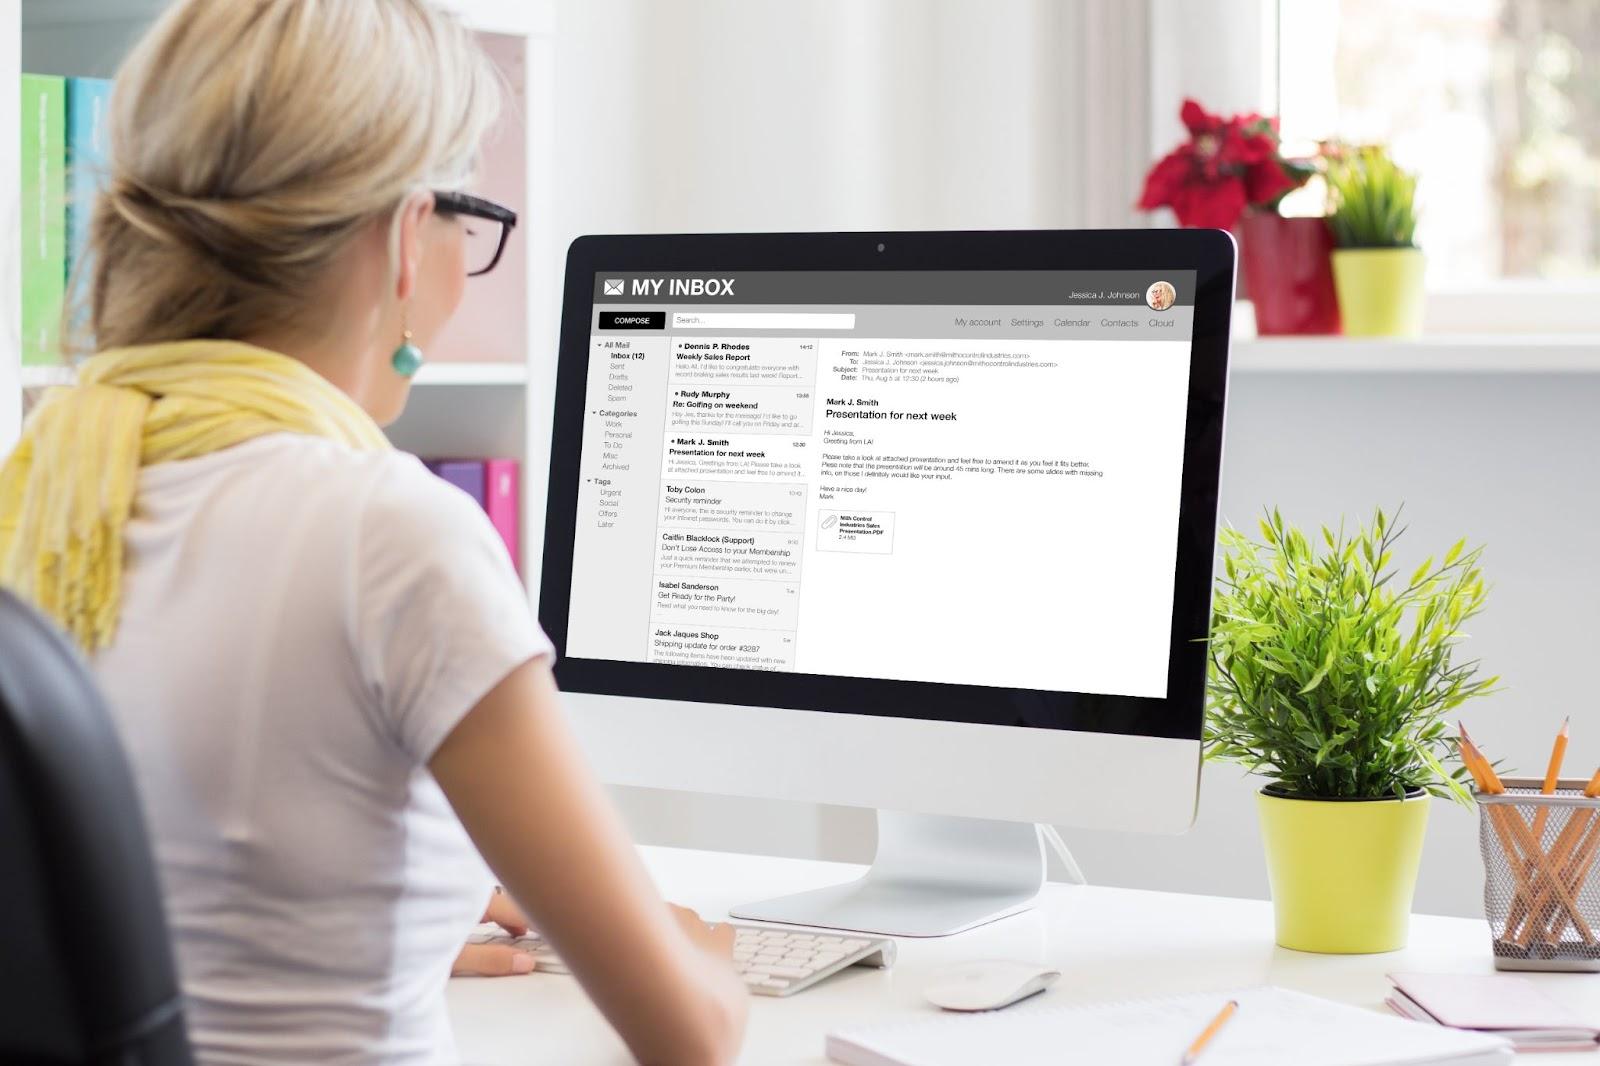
[976,486]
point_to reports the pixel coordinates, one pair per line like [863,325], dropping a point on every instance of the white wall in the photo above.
[1222,53]
[829,114]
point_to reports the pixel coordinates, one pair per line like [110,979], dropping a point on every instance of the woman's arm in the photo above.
[520,784]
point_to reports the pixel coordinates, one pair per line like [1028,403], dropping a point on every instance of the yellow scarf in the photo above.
[67,489]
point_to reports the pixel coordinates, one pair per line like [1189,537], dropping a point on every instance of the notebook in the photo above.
[1510,1006]
[1273,1026]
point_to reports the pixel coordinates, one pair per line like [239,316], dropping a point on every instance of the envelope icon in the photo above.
[614,287]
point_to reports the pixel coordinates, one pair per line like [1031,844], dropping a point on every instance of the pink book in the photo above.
[502,499]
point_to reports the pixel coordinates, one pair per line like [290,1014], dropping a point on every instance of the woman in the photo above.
[325,671]
[1161,296]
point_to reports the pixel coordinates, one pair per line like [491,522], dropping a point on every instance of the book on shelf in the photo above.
[87,154]
[501,499]
[43,188]
[495,485]
[464,474]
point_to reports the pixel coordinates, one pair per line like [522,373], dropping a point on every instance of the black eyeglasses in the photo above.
[489,226]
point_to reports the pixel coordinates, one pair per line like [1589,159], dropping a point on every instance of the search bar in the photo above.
[761,320]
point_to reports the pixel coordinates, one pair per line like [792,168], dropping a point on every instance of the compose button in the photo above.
[633,320]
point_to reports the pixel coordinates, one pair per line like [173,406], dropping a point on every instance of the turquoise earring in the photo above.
[408,357]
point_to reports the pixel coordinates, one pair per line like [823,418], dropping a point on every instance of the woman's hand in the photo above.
[713,939]
[496,960]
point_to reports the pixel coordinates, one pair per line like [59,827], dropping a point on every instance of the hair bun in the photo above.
[238,235]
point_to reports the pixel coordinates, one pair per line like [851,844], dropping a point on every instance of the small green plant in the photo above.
[1374,202]
[1328,674]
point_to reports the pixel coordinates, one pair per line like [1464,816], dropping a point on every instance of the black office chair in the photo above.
[86,969]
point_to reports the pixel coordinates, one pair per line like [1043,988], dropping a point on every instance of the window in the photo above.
[1494,103]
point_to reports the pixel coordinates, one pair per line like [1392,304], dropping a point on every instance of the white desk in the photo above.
[1109,943]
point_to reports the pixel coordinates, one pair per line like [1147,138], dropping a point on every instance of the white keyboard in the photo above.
[778,962]
[771,961]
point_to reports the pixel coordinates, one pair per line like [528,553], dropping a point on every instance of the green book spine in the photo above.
[44,218]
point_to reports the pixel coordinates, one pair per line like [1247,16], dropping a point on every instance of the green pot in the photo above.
[1380,291]
[1343,872]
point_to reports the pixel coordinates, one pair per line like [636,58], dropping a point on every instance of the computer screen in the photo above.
[950,477]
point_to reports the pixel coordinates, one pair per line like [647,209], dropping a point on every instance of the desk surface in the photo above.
[1109,943]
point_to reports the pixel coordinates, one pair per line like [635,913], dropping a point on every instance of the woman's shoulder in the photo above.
[319,460]
[375,488]
[400,519]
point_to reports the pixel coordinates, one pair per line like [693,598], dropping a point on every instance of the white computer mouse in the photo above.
[987,985]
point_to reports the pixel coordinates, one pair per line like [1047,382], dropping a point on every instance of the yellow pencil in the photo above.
[1552,775]
[1482,771]
[1506,823]
[1204,1038]
[1569,857]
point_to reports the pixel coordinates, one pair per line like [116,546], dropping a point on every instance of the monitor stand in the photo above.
[933,875]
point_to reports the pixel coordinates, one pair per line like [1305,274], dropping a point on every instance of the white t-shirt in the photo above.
[302,625]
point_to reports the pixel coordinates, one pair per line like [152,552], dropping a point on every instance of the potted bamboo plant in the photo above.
[1377,266]
[1331,675]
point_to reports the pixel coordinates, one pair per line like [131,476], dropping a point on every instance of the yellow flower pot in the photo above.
[1380,291]
[1343,872]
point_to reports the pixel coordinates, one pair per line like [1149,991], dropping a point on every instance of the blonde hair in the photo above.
[250,140]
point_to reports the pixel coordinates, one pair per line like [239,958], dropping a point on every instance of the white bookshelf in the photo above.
[42,377]
[486,388]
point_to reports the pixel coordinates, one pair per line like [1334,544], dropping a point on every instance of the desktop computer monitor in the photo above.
[922,522]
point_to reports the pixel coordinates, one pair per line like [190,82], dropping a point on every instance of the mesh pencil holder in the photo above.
[1541,887]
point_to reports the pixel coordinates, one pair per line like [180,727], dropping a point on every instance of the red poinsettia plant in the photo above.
[1227,166]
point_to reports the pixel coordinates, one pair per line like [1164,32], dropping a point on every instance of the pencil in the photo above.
[1551,775]
[1489,782]
[1472,759]
[1553,923]
[1485,770]
[1564,860]
[1574,875]
[1571,859]
[1211,1030]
